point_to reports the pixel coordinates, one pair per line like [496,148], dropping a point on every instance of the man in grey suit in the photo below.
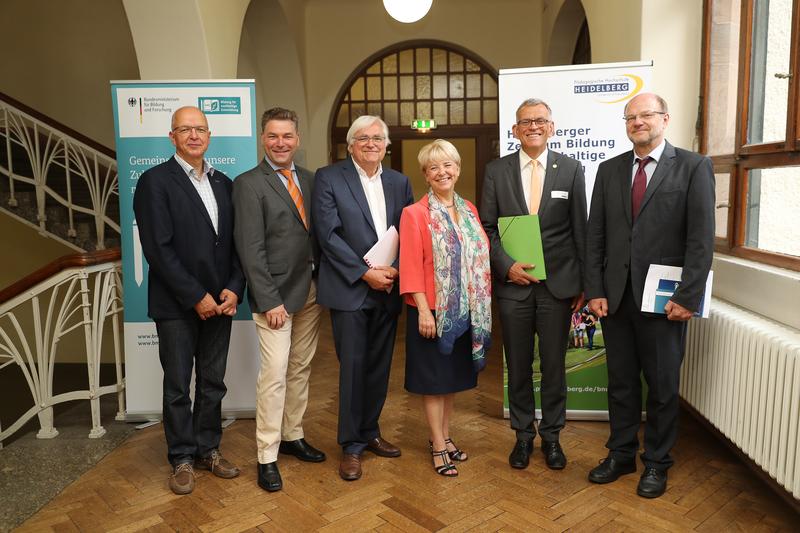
[278,251]
[536,180]
[651,205]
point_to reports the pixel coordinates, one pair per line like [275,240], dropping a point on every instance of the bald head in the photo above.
[188,111]
[190,135]
[646,119]
[651,100]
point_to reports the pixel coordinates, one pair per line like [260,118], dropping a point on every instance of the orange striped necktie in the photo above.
[294,192]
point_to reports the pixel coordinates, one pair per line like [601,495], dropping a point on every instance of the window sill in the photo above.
[763,289]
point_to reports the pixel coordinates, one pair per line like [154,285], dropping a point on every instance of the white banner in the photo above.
[587,103]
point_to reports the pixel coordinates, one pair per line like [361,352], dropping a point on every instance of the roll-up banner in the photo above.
[588,103]
[142,121]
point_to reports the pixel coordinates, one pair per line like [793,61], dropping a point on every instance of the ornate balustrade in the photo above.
[81,293]
[61,169]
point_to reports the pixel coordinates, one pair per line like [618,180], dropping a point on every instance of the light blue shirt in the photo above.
[282,177]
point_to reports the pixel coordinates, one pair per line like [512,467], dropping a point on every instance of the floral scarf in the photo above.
[462,277]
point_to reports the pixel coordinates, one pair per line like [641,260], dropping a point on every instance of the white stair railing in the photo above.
[83,294]
[62,170]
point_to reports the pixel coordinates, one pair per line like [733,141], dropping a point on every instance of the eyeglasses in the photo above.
[185,130]
[363,139]
[644,115]
[527,122]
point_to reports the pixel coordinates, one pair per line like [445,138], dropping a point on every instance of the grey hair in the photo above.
[438,150]
[363,122]
[530,102]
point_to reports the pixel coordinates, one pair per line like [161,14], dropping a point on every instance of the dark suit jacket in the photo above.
[562,222]
[675,226]
[345,231]
[276,250]
[186,257]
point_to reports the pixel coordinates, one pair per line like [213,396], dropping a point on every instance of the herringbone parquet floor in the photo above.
[709,489]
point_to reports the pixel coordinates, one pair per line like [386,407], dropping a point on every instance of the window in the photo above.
[751,126]
[418,80]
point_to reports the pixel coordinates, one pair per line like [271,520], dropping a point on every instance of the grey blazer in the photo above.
[675,226]
[562,222]
[275,249]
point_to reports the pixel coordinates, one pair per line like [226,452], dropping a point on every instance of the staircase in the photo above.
[56,180]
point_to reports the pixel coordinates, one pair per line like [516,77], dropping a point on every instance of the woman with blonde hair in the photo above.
[445,279]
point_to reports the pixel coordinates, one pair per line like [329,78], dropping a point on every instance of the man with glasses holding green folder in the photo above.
[536,181]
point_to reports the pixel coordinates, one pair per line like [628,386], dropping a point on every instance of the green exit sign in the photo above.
[420,124]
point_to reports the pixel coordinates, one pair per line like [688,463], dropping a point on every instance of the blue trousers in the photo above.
[193,431]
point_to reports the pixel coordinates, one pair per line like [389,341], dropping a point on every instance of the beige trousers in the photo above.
[282,389]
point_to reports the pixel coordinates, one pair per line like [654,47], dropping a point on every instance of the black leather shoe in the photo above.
[520,455]
[554,455]
[302,450]
[269,478]
[610,469]
[653,483]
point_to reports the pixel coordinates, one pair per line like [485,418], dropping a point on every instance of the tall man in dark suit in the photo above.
[652,205]
[536,180]
[278,251]
[185,217]
[355,201]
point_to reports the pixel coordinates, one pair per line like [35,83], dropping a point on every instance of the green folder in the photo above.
[522,240]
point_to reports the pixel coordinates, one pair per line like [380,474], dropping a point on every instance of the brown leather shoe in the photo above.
[350,467]
[218,465]
[182,479]
[382,447]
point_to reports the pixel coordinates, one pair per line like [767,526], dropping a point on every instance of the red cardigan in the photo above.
[416,269]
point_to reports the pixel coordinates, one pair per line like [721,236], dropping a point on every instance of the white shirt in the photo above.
[373,189]
[650,167]
[526,167]
[203,186]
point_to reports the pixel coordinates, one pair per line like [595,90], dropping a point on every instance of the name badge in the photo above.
[564,195]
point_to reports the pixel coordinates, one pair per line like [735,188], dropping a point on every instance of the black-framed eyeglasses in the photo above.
[644,115]
[528,122]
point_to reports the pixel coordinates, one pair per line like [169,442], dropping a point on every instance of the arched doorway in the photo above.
[570,43]
[427,80]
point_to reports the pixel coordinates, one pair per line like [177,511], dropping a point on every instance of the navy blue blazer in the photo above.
[186,257]
[345,232]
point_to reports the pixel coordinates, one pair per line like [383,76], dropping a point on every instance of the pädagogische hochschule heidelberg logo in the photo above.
[132,101]
[612,90]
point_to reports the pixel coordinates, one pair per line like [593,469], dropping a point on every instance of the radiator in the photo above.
[742,372]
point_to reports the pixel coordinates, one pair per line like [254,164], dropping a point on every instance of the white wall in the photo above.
[672,38]
[58,57]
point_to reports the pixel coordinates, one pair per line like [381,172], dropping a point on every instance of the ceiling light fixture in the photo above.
[407,11]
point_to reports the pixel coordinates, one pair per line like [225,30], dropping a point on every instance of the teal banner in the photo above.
[142,121]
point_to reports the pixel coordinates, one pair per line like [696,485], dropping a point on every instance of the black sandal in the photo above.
[447,469]
[457,454]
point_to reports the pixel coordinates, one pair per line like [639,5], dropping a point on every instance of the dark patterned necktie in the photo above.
[639,186]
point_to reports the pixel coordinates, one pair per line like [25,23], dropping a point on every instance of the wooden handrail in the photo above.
[54,267]
[56,125]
